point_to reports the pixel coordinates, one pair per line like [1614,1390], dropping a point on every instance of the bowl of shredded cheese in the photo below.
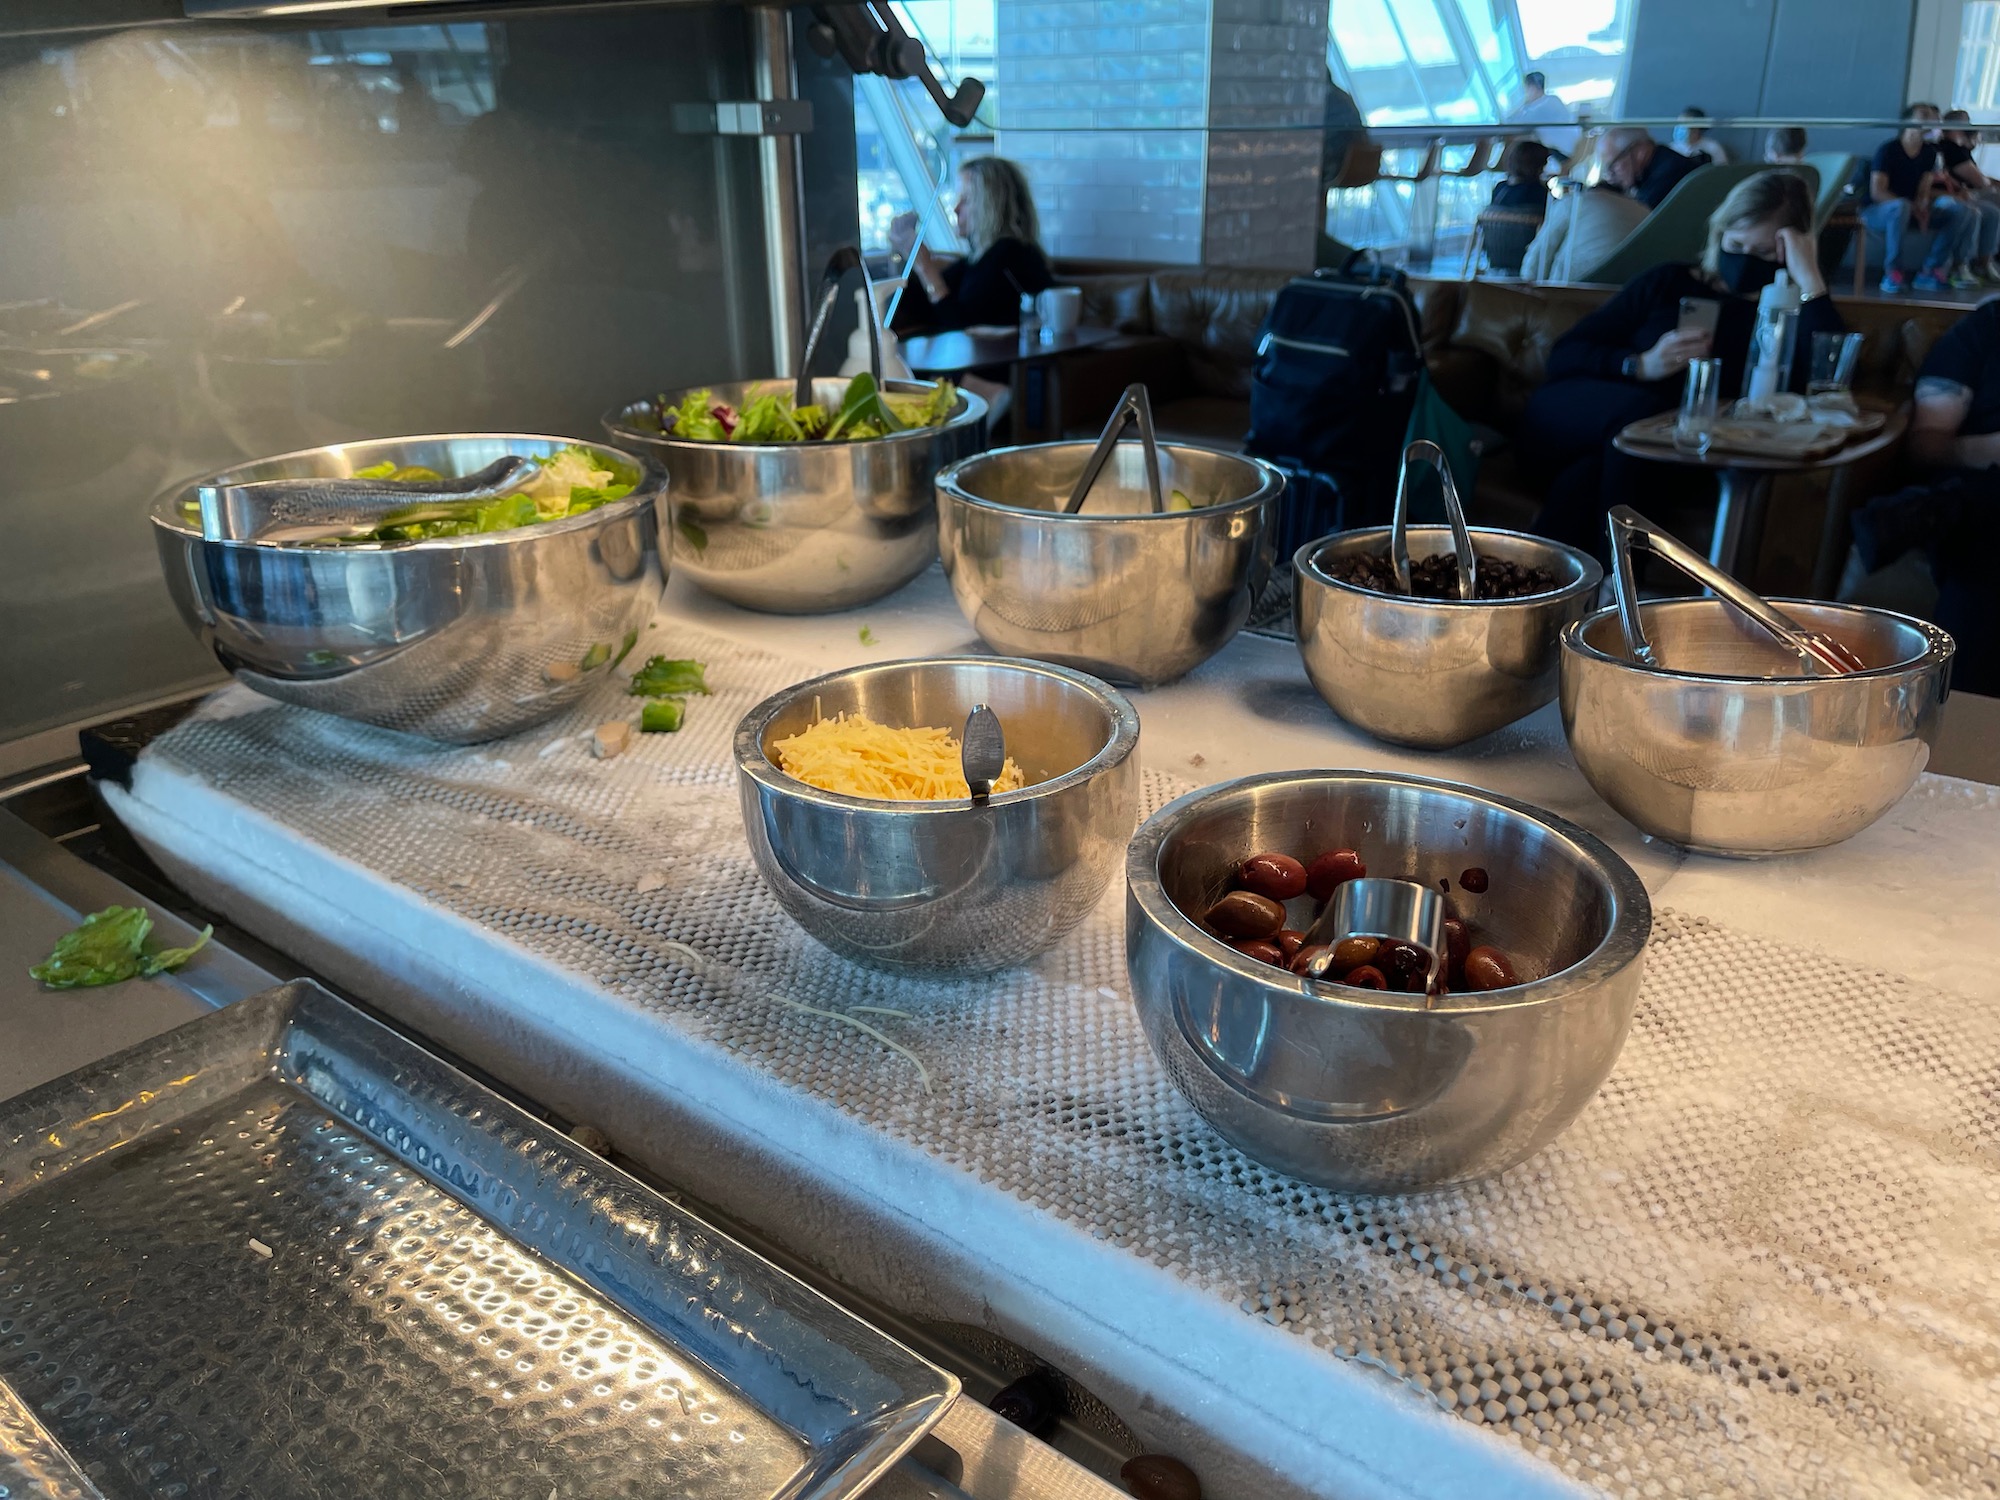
[860,820]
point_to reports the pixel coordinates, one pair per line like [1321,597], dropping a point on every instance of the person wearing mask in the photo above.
[1978,193]
[1627,360]
[1519,205]
[1903,189]
[1953,516]
[1785,146]
[1637,164]
[1692,140]
[1540,108]
[995,216]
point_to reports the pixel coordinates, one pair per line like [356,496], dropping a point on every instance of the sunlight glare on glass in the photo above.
[1587,25]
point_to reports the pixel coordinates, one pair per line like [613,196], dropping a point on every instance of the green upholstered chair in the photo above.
[1836,169]
[1678,228]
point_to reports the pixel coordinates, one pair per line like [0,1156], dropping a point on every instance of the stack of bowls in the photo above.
[1366,1091]
[1118,590]
[1434,673]
[1723,746]
[947,887]
[802,528]
[458,639]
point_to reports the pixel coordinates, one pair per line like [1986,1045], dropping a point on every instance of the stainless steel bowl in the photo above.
[1117,590]
[1726,749]
[946,887]
[1370,1092]
[802,528]
[1434,673]
[460,639]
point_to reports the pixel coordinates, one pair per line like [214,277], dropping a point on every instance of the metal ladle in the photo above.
[1133,406]
[1818,653]
[1396,910]
[1425,451]
[843,260]
[983,753]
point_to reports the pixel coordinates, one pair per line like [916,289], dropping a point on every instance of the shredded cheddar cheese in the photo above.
[853,755]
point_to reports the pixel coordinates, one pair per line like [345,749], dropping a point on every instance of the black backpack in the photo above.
[1338,361]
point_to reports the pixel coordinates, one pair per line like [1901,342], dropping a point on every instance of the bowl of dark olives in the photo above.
[1427,668]
[1384,1066]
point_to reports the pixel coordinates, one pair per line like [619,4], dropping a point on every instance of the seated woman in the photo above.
[1626,360]
[1518,205]
[995,216]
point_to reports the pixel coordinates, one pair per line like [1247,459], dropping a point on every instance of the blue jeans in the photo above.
[1983,244]
[1952,229]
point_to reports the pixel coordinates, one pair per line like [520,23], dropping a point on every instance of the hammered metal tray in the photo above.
[282,1251]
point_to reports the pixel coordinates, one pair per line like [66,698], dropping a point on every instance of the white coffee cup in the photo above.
[1062,310]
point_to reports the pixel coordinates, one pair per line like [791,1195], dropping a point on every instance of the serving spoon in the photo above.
[332,509]
[982,753]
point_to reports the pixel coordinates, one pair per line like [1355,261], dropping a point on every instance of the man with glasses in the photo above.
[1637,164]
[1904,190]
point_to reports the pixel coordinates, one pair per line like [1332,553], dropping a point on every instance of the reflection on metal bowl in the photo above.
[947,887]
[1434,673]
[1366,1091]
[1725,748]
[1136,597]
[459,639]
[802,528]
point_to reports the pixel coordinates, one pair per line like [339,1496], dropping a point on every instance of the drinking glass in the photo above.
[1834,356]
[1700,399]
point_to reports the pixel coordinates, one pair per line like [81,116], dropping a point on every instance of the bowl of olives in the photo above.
[1368,1062]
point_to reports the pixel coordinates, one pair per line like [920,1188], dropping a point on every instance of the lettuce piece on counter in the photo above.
[109,948]
[663,677]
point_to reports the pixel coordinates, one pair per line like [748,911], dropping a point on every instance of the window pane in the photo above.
[1978,76]
[1365,35]
[1424,32]
[1579,44]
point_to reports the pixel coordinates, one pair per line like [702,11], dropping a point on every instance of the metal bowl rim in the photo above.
[164,512]
[1939,647]
[754,763]
[973,408]
[1271,486]
[1631,908]
[138,359]
[1305,564]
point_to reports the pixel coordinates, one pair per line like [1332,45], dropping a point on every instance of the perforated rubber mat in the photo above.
[1765,1261]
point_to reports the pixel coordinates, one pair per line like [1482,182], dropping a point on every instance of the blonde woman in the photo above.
[995,215]
[1628,359]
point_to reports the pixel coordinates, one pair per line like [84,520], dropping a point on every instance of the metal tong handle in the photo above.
[1134,406]
[1425,451]
[838,264]
[1629,529]
[983,753]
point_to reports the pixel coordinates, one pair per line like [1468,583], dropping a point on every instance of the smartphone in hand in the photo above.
[1699,315]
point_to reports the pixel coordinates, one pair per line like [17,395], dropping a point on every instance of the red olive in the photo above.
[1352,952]
[1457,943]
[1330,870]
[1488,969]
[1289,942]
[1257,948]
[1302,959]
[1245,914]
[1367,977]
[1473,880]
[1155,1476]
[1278,876]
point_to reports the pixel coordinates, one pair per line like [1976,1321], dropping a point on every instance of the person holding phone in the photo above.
[1627,360]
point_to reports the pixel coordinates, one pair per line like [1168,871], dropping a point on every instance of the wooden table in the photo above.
[960,351]
[1744,487]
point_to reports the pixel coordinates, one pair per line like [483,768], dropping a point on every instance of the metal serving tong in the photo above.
[305,510]
[1398,910]
[1134,406]
[843,260]
[982,753]
[1425,451]
[1820,654]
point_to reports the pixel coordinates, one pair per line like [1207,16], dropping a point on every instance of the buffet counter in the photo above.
[1758,1264]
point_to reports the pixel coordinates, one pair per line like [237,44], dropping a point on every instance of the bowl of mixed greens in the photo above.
[458,617]
[803,509]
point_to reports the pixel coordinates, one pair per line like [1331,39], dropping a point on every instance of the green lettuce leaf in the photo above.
[662,677]
[109,947]
[662,715]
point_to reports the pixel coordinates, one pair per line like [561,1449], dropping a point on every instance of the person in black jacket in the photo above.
[1522,201]
[1635,163]
[1626,360]
[995,215]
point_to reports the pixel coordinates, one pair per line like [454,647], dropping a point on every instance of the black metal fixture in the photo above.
[871,40]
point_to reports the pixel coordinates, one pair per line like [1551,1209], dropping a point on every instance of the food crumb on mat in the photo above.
[260,1248]
[649,882]
[1197,761]
[611,738]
